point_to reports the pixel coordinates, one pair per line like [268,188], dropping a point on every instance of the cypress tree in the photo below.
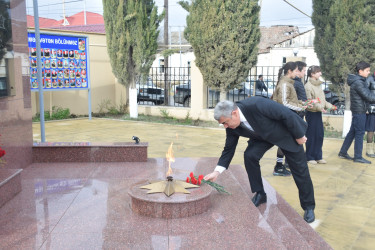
[324,34]
[355,37]
[131,31]
[5,28]
[346,35]
[225,37]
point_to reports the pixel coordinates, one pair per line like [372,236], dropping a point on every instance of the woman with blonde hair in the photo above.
[315,130]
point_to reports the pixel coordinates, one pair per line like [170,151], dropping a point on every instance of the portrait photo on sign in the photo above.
[53,63]
[72,82]
[47,63]
[54,83]
[84,83]
[34,83]
[78,73]
[46,53]
[66,63]
[33,62]
[81,44]
[60,73]
[33,52]
[53,53]
[66,73]
[59,63]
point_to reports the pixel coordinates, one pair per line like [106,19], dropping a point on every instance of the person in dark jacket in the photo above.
[298,84]
[360,96]
[266,123]
[259,85]
[370,119]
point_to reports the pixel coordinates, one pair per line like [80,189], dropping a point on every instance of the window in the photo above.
[161,64]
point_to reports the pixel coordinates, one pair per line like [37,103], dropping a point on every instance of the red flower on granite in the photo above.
[195,181]
[2,153]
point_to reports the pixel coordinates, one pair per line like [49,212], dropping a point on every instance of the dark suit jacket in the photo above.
[271,121]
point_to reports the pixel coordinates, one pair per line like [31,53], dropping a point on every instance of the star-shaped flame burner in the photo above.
[169,186]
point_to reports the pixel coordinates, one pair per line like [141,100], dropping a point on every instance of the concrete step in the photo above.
[10,184]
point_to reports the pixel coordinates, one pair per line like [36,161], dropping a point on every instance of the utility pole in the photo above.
[166,71]
[65,22]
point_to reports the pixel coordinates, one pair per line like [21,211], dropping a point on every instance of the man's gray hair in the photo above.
[224,109]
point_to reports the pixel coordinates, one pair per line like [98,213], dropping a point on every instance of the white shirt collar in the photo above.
[242,117]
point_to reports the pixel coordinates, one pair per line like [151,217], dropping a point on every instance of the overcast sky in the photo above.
[273,12]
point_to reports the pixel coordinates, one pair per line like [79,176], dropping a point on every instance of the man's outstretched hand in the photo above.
[301,140]
[212,177]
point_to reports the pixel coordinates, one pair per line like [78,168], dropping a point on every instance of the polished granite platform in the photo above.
[87,206]
[344,191]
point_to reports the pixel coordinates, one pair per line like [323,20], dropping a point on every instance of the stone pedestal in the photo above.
[178,205]
[90,152]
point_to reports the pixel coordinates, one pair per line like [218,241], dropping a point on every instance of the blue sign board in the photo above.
[64,62]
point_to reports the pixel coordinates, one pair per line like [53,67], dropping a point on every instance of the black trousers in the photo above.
[315,136]
[297,164]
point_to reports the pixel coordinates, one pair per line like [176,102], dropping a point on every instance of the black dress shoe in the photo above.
[345,156]
[259,198]
[309,215]
[362,160]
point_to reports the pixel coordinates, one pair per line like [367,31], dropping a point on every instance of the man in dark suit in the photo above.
[266,123]
[259,86]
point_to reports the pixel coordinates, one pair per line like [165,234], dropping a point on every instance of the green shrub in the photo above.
[58,113]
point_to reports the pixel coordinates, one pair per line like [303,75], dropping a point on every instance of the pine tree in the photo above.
[225,37]
[131,31]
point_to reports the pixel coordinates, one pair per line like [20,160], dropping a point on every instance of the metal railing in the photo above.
[246,88]
[172,87]
[161,85]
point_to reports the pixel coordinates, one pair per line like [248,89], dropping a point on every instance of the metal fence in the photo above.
[246,89]
[161,85]
[172,87]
